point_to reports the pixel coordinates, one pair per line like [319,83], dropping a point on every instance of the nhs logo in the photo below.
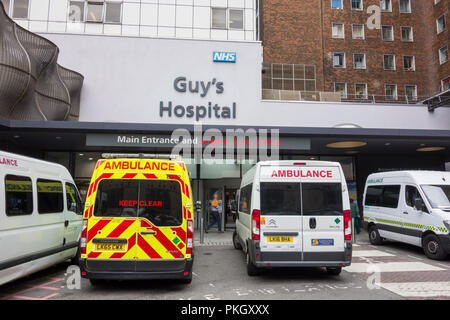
[221,56]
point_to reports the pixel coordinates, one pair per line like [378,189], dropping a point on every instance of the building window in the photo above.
[407,34]
[357,4]
[405,6]
[389,62]
[336,4]
[223,18]
[390,92]
[443,54]
[386,5]
[441,24]
[339,60]
[361,91]
[296,77]
[358,31]
[338,30]
[236,20]
[387,33]
[20,9]
[409,63]
[94,12]
[359,61]
[411,92]
[76,11]
[445,84]
[113,12]
[341,87]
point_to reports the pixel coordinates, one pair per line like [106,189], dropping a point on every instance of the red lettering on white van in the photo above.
[9,162]
[303,174]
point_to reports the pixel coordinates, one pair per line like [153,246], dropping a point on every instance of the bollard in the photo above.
[198,207]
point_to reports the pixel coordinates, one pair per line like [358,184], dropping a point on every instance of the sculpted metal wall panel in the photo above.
[32,85]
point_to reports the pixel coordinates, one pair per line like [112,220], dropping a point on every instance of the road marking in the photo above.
[414,257]
[371,253]
[419,289]
[391,267]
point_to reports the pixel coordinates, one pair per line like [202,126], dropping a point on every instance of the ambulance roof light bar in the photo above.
[140,156]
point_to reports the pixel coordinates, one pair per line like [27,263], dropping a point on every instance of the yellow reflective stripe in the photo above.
[407,224]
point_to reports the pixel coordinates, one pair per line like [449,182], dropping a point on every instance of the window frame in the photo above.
[390,6]
[343,96]
[62,195]
[344,60]
[416,96]
[12,4]
[440,55]
[357,9]
[72,185]
[394,62]
[32,196]
[335,8]
[96,3]
[83,18]
[332,30]
[400,7]
[120,4]
[365,95]
[354,64]
[383,186]
[363,31]
[395,97]
[392,33]
[412,33]
[437,24]
[227,18]
[413,63]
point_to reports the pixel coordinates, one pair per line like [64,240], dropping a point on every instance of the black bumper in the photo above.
[445,242]
[136,270]
[299,259]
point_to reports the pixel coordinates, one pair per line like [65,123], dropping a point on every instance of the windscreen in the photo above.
[156,200]
[280,199]
[322,199]
[438,195]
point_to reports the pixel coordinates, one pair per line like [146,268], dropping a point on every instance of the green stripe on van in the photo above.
[407,224]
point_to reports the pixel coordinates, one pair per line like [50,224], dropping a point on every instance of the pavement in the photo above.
[393,271]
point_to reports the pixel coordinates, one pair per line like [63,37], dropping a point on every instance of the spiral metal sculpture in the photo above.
[32,85]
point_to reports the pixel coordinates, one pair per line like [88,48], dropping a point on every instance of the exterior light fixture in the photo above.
[346,144]
[430,149]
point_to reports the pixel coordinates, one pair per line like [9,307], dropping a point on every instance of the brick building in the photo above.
[335,46]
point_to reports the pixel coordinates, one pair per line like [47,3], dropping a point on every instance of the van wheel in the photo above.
[236,243]
[374,236]
[252,270]
[334,271]
[432,248]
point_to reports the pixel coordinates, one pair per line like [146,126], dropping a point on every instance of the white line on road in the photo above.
[419,289]
[371,253]
[391,267]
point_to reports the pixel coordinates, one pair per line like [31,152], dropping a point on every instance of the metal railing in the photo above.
[322,96]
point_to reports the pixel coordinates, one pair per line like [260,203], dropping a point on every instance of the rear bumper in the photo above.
[136,270]
[445,242]
[300,259]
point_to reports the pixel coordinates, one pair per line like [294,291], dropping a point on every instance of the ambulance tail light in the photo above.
[83,240]
[190,237]
[256,225]
[347,225]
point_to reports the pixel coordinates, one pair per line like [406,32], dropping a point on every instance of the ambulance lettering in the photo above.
[137,165]
[9,162]
[302,174]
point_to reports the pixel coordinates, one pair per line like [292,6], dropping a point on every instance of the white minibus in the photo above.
[294,214]
[40,216]
[411,207]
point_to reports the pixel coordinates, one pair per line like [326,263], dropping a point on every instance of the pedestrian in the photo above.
[355,214]
[215,214]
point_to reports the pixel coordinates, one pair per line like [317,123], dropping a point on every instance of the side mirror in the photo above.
[418,204]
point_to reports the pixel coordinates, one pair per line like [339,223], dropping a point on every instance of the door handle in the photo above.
[66,223]
[405,212]
[148,232]
[312,223]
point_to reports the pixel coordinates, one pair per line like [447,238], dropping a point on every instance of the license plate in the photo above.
[280,239]
[110,247]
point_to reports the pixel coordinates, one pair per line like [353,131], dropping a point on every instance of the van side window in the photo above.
[383,196]
[245,199]
[19,195]
[74,203]
[411,193]
[50,196]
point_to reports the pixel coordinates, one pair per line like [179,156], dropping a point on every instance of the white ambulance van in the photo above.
[40,216]
[411,207]
[294,214]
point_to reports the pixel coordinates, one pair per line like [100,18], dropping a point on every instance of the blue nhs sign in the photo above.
[221,56]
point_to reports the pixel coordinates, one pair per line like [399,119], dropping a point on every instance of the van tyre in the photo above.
[374,236]
[433,248]
[335,271]
[252,270]
[237,245]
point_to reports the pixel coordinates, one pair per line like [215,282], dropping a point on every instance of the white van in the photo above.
[411,207]
[40,216]
[294,214]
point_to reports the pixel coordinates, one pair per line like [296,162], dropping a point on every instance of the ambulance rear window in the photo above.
[280,199]
[322,199]
[156,200]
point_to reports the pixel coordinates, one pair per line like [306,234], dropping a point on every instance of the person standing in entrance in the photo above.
[355,214]
[215,214]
